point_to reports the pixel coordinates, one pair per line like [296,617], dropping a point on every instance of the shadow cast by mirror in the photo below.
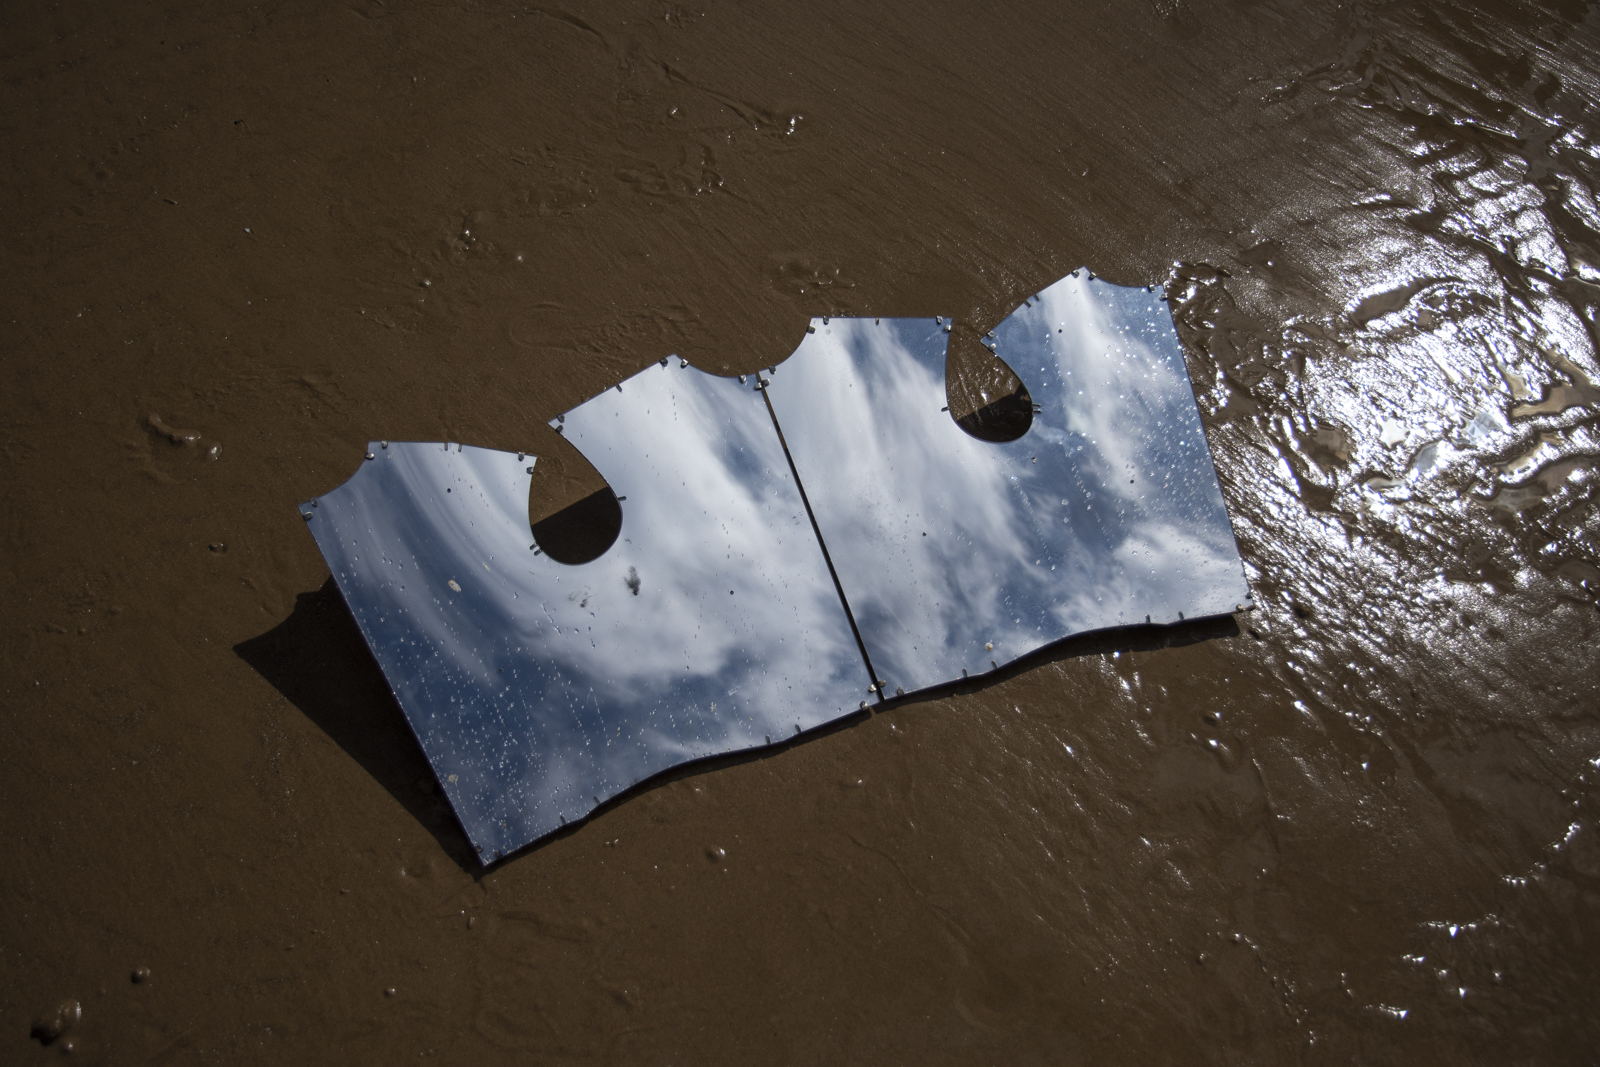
[319,661]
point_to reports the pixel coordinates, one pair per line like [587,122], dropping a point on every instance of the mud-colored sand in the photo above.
[1354,826]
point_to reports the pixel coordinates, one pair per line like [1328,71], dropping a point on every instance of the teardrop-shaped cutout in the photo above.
[987,398]
[583,531]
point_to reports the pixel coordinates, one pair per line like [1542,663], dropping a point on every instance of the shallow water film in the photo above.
[1353,825]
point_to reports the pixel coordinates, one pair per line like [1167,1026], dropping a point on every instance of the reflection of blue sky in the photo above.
[537,686]
[1105,512]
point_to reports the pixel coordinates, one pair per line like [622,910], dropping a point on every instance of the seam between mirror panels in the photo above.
[844,601]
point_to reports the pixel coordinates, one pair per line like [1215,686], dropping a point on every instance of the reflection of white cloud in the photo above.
[1105,512]
[900,501]
[710,507]
[1118,389]
[543,686]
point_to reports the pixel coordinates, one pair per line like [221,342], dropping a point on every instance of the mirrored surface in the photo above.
[958,555]
[543,680]
[539,689]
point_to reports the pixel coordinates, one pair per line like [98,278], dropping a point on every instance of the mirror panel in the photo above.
[959,555]
[539,689]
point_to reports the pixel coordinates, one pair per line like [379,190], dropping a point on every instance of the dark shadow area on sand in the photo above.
[319,661]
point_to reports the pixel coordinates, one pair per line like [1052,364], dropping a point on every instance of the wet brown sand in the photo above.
[1355,826]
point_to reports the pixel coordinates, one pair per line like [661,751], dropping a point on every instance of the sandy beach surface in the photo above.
[1356,825]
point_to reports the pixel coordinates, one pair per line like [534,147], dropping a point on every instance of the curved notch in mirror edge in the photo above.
[582,531]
